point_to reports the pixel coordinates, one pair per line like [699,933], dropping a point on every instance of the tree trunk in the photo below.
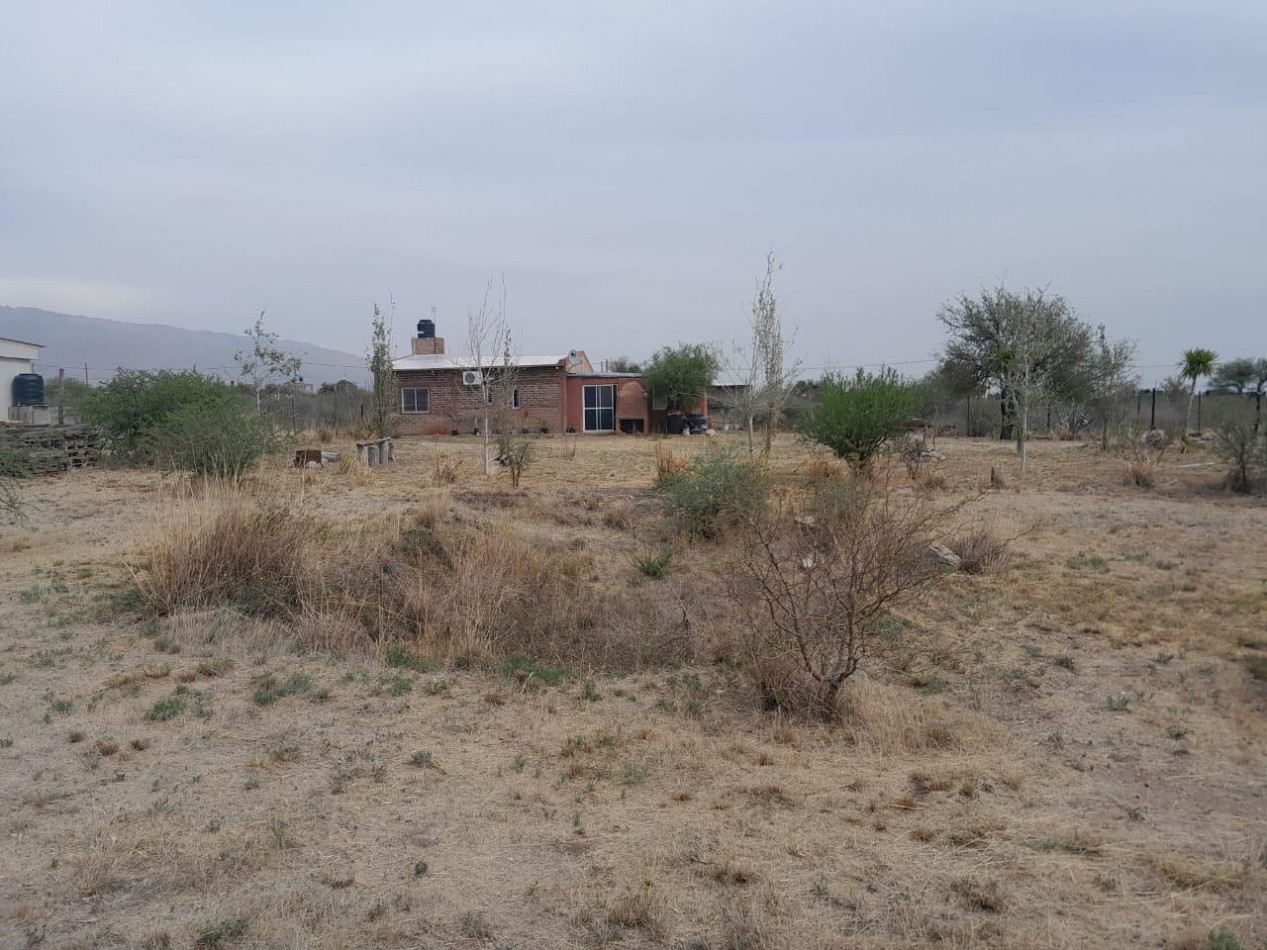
[751,453]
[1007,415]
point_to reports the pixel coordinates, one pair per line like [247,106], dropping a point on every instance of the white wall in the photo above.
[10,367]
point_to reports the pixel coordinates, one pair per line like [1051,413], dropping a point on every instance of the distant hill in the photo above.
[105,345]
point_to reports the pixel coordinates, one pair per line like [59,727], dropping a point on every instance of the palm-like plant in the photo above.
[1196,362]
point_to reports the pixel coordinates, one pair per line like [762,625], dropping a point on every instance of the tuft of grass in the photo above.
[169,707]
[215,935]
[654,566]
[269,689]
[531,674]
[402,656]
[475,924]
[1223,939]
[1120,703]
[981,552]
[423,760]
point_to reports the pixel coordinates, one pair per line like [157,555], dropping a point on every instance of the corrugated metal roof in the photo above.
[444,361]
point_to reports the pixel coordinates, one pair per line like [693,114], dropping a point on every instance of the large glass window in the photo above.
[600,408]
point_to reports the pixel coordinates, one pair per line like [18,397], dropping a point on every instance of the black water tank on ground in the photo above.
[28,389]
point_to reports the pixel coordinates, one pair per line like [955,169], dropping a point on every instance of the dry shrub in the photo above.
[230,550]
[750,922]
[819,576]
[619,517]
[448,470]
[931,481]
[892,720]
[668,464]
[463,596]
[638,908]
[980,551]
[820,467]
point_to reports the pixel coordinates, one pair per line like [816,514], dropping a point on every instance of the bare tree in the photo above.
[266,363]
[764,374]
[490,355]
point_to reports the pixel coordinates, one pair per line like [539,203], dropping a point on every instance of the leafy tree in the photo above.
[1196,362]
[1242,376]
[266,363]
[128,406]
[383,405]
[681,374]
[1025,345]
[855,416]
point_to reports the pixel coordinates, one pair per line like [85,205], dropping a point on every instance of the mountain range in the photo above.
[72,341]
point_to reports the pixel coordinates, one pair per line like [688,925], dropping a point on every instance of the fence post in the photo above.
[1152,418]
[61,395]
[1198,413]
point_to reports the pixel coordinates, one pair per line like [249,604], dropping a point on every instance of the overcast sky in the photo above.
[628,165]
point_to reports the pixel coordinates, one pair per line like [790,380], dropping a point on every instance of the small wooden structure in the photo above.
[375,452]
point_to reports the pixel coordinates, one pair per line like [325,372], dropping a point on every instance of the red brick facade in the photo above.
[452,407]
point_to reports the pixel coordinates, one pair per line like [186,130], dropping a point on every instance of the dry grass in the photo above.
[978,792]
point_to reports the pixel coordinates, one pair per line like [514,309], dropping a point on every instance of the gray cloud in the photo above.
[628,165]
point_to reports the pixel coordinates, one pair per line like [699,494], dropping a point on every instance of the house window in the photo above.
[415,400]
[600,408]
[514,399]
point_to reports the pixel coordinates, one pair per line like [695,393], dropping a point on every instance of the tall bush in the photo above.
[222,440]
[855,415]
[130,405]
[715,490]
[1241,441]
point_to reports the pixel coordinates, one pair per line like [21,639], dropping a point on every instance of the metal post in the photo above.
[1198,413]
[1152,417]
[61,395]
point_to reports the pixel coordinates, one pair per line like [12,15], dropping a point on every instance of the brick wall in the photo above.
[461,408]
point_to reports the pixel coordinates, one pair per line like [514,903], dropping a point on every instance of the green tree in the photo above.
[682,373]
[1242,376]
[266,363]
[855,416]
[1025,345]
[380,362]
[1196,362]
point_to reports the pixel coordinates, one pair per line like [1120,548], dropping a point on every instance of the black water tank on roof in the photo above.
[28,389]
[426,329]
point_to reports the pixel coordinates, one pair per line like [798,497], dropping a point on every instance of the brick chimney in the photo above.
[426,343]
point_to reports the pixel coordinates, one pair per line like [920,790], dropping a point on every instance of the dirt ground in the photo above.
[1070,753]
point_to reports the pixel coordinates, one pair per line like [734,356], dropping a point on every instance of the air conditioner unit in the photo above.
[472,377]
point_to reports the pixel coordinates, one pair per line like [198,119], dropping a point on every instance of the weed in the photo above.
[532,675]
[280,831]
[6,742]
[520,763]
[654,566]
[981,552]
[590,693]
[475,924]
[169,707]
[404,657]
[1178,732]
[1066,662]
[268,689]
[216,934]
[1223,939]
[1119,703]
[423,760]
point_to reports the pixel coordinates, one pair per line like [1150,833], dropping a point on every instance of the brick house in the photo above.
[552,393]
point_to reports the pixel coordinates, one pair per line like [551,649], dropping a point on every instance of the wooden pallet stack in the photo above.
[45,450]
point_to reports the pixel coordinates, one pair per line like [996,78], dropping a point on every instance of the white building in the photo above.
[16,357]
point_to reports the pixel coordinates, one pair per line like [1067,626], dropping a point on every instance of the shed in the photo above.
[16,357]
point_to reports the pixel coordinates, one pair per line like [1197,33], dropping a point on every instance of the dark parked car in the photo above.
[677,423]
